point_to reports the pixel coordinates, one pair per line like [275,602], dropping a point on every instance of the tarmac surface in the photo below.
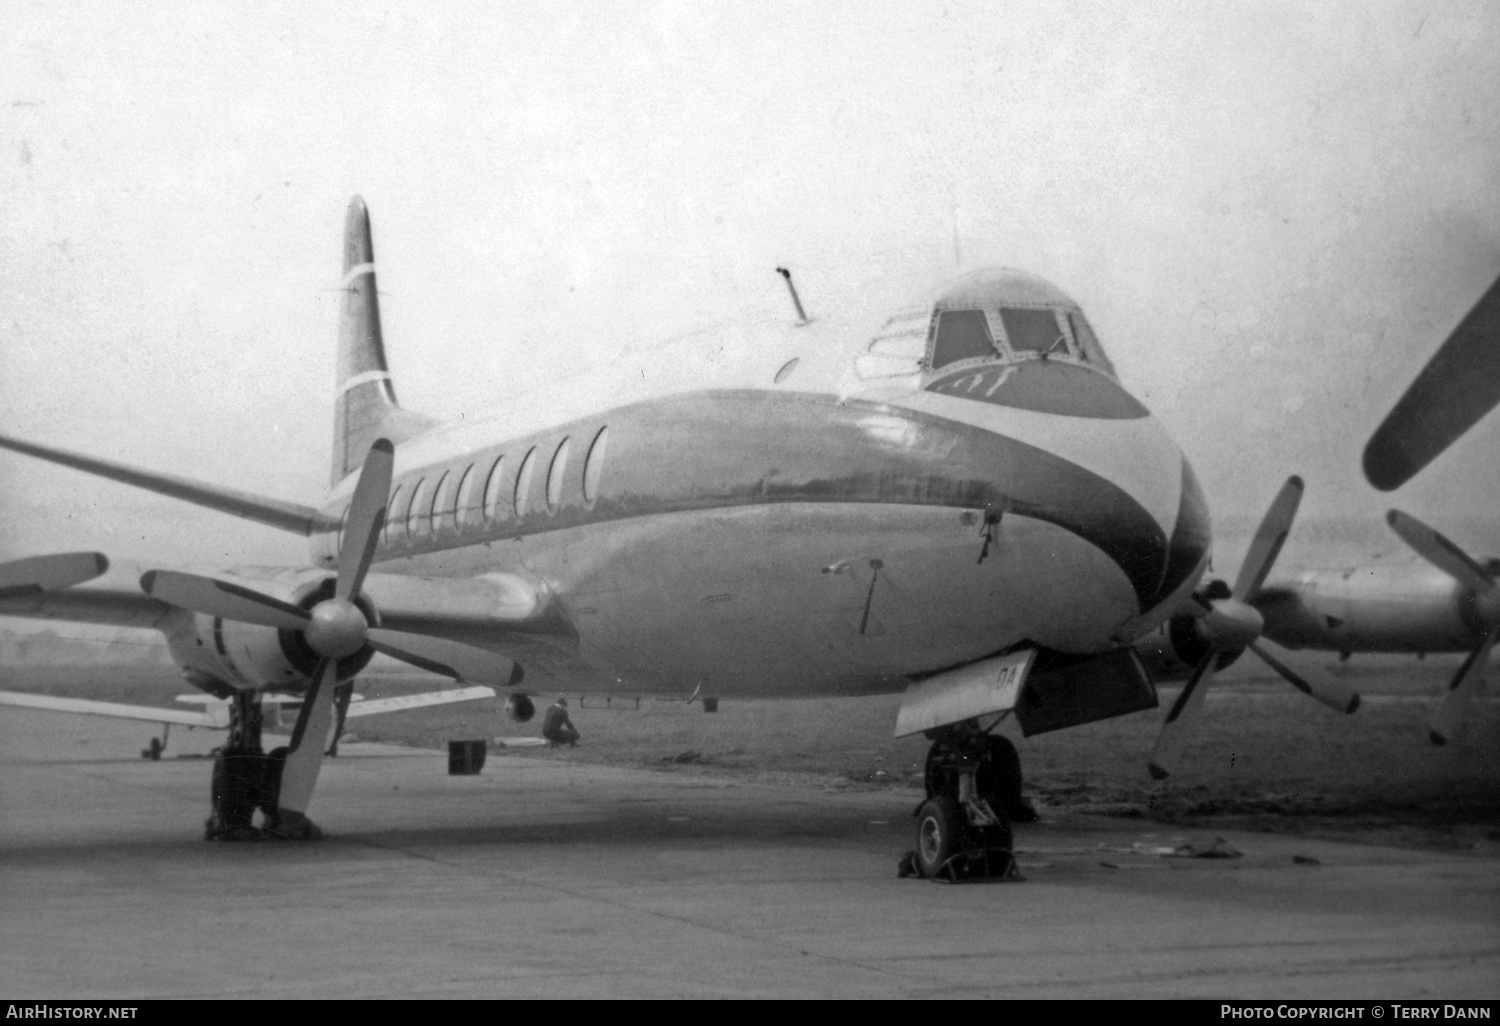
[541,878]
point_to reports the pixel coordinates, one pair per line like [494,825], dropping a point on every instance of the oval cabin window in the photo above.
[523,484]
[556,474]
[442,511]
[463,512]
[418,517]
[393,517]
[593,466]
[494,489]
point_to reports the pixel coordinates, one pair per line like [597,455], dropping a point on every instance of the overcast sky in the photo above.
[1272,213]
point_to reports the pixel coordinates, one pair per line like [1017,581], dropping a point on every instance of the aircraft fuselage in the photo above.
[768,542]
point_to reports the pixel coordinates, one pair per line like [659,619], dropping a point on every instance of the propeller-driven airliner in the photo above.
[956,499]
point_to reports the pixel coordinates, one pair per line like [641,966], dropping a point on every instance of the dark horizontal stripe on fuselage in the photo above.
[721,449]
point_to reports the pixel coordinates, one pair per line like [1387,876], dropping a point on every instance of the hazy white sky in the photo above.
[1273,214]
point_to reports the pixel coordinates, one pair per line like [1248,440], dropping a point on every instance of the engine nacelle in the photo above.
[251,657]
[1172,650]
[520,707]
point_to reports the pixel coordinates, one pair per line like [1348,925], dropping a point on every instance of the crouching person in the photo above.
[557,728]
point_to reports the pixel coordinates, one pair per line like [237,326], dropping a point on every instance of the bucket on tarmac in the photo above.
[465,758]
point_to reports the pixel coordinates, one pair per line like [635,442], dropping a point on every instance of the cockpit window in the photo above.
[1093,352]
[1033,331]
[961,335]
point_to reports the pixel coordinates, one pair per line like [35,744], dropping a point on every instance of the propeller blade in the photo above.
[222,599]
[1452,712]
[1459,385]
[450,658]
[1440,552]
[1270,536]
[366,517]
[1310,680]
[1174,732]
[299,775]
[49,573]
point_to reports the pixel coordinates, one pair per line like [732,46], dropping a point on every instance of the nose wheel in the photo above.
[963,833]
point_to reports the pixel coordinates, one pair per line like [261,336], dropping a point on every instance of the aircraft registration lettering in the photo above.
[979,689]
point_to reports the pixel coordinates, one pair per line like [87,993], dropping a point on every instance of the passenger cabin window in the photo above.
[593,466]
[961,335]
[523,484]
[1033,331]
[556,475]
[463,507]
[418,517]
[494,491]
[393,517]
[442,509]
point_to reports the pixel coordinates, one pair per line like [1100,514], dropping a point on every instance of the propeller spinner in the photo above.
[1230,624]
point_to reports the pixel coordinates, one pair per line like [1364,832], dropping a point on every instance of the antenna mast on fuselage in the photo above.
[802,317]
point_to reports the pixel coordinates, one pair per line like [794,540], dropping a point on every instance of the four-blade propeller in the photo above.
[1230,624]
[1482,602]
[337,627]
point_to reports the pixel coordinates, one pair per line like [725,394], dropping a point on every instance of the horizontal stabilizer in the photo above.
[399,703]
[287,516]
[119,710]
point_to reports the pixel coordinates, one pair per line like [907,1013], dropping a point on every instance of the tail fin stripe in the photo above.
[354,272]
[364,379]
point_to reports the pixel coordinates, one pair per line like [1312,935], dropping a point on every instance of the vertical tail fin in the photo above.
[365,406]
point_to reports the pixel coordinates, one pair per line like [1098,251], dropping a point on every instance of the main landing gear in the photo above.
[973,783]
[245,779]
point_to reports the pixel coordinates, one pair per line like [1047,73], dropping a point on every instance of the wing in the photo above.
[118,710]
[114,598]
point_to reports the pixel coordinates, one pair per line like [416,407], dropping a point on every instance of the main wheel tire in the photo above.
[233,789]
[942,832]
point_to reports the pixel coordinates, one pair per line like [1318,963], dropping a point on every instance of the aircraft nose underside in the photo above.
[1120,485]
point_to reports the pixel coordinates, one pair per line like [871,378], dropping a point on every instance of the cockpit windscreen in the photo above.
[961,335]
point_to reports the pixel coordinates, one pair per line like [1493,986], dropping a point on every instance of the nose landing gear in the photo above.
[973,783]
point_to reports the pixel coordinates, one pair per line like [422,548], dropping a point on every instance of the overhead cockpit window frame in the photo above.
[899,349]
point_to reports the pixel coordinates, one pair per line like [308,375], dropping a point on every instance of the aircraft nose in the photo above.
[1188,545]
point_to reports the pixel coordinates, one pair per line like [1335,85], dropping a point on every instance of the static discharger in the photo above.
[802,317]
